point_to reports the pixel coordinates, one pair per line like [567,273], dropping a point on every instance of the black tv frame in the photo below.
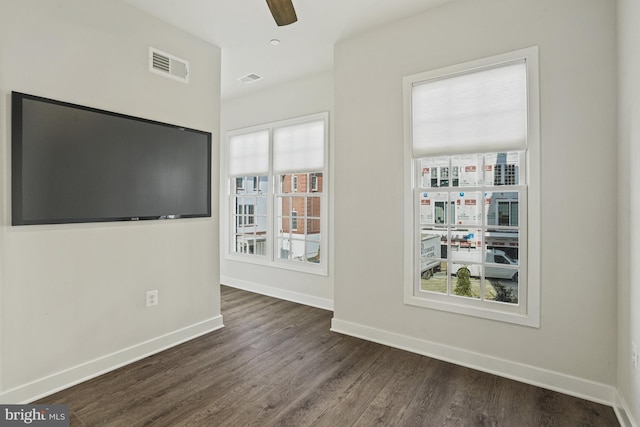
[17,165]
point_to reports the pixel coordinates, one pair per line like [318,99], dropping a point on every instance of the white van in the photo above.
[472,260]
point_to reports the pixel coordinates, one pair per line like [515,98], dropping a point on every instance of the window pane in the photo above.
[504,242]
[313,227]
[502,168]
[502,290]
[284,248]
[465,280]
[313,248]
[250,231]
[287,184]
[313,206]
[469,170]
[433,260]
[434,207]
[291,249]
[435,172]
[468,208]
[501,208]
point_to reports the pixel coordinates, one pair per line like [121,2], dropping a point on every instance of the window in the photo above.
[472,186]
[245,215]
[276,174]
[250,217]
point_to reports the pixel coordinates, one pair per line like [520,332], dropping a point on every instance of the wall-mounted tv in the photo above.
[72,164]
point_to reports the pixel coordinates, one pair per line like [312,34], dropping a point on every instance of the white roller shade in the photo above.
[299,148]
[249,154]
[475,112]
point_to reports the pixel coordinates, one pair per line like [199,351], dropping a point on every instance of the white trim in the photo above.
[258,288]
[556,381]
[69,377]
[271,258]
[623,413]
[530,238]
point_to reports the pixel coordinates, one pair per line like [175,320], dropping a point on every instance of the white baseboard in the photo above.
[623,413]
[53,383]
[313,301]
[567,384]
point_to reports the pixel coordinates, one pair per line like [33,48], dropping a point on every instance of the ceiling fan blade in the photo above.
[282,11]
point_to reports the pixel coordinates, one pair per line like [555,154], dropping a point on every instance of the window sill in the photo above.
[524,319]
[319,269]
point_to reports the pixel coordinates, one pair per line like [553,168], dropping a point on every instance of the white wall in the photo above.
[629,203]
[73,296]
[574,350]
[313,94]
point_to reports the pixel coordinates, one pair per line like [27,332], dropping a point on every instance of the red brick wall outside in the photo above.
[309,215]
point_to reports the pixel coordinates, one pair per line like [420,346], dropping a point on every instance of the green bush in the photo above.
[463,283]
[503,293]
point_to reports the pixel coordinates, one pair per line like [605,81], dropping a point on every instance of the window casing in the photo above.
[472,188]
[286,184]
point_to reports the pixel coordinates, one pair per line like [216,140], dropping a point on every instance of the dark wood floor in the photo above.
[277,364]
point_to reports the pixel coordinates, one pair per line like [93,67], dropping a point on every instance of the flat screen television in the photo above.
[73,164]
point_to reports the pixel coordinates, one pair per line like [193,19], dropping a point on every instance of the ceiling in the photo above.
[243,30]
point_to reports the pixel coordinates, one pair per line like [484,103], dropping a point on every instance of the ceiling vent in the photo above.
[249,78]
[168,65]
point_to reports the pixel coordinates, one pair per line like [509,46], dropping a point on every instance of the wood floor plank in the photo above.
[276,363]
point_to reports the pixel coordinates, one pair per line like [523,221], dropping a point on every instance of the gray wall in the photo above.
[73,296]
[577,41]
[629,202]
[309,95]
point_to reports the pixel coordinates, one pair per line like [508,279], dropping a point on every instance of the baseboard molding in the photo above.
[623,413]
[313,301]
[69,377]
[567,384]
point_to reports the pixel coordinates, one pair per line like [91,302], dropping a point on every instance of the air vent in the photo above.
[168,65]
[249,78]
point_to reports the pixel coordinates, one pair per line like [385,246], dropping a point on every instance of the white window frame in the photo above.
[271,257]
[529,313]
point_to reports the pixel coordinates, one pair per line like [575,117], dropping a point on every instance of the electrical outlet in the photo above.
[634,356]
[152,298]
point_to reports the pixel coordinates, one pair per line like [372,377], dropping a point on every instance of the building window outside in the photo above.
[471,132]
[250,201]
[245,215]
[288,201]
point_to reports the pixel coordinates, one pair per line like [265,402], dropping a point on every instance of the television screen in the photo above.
[78,164]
